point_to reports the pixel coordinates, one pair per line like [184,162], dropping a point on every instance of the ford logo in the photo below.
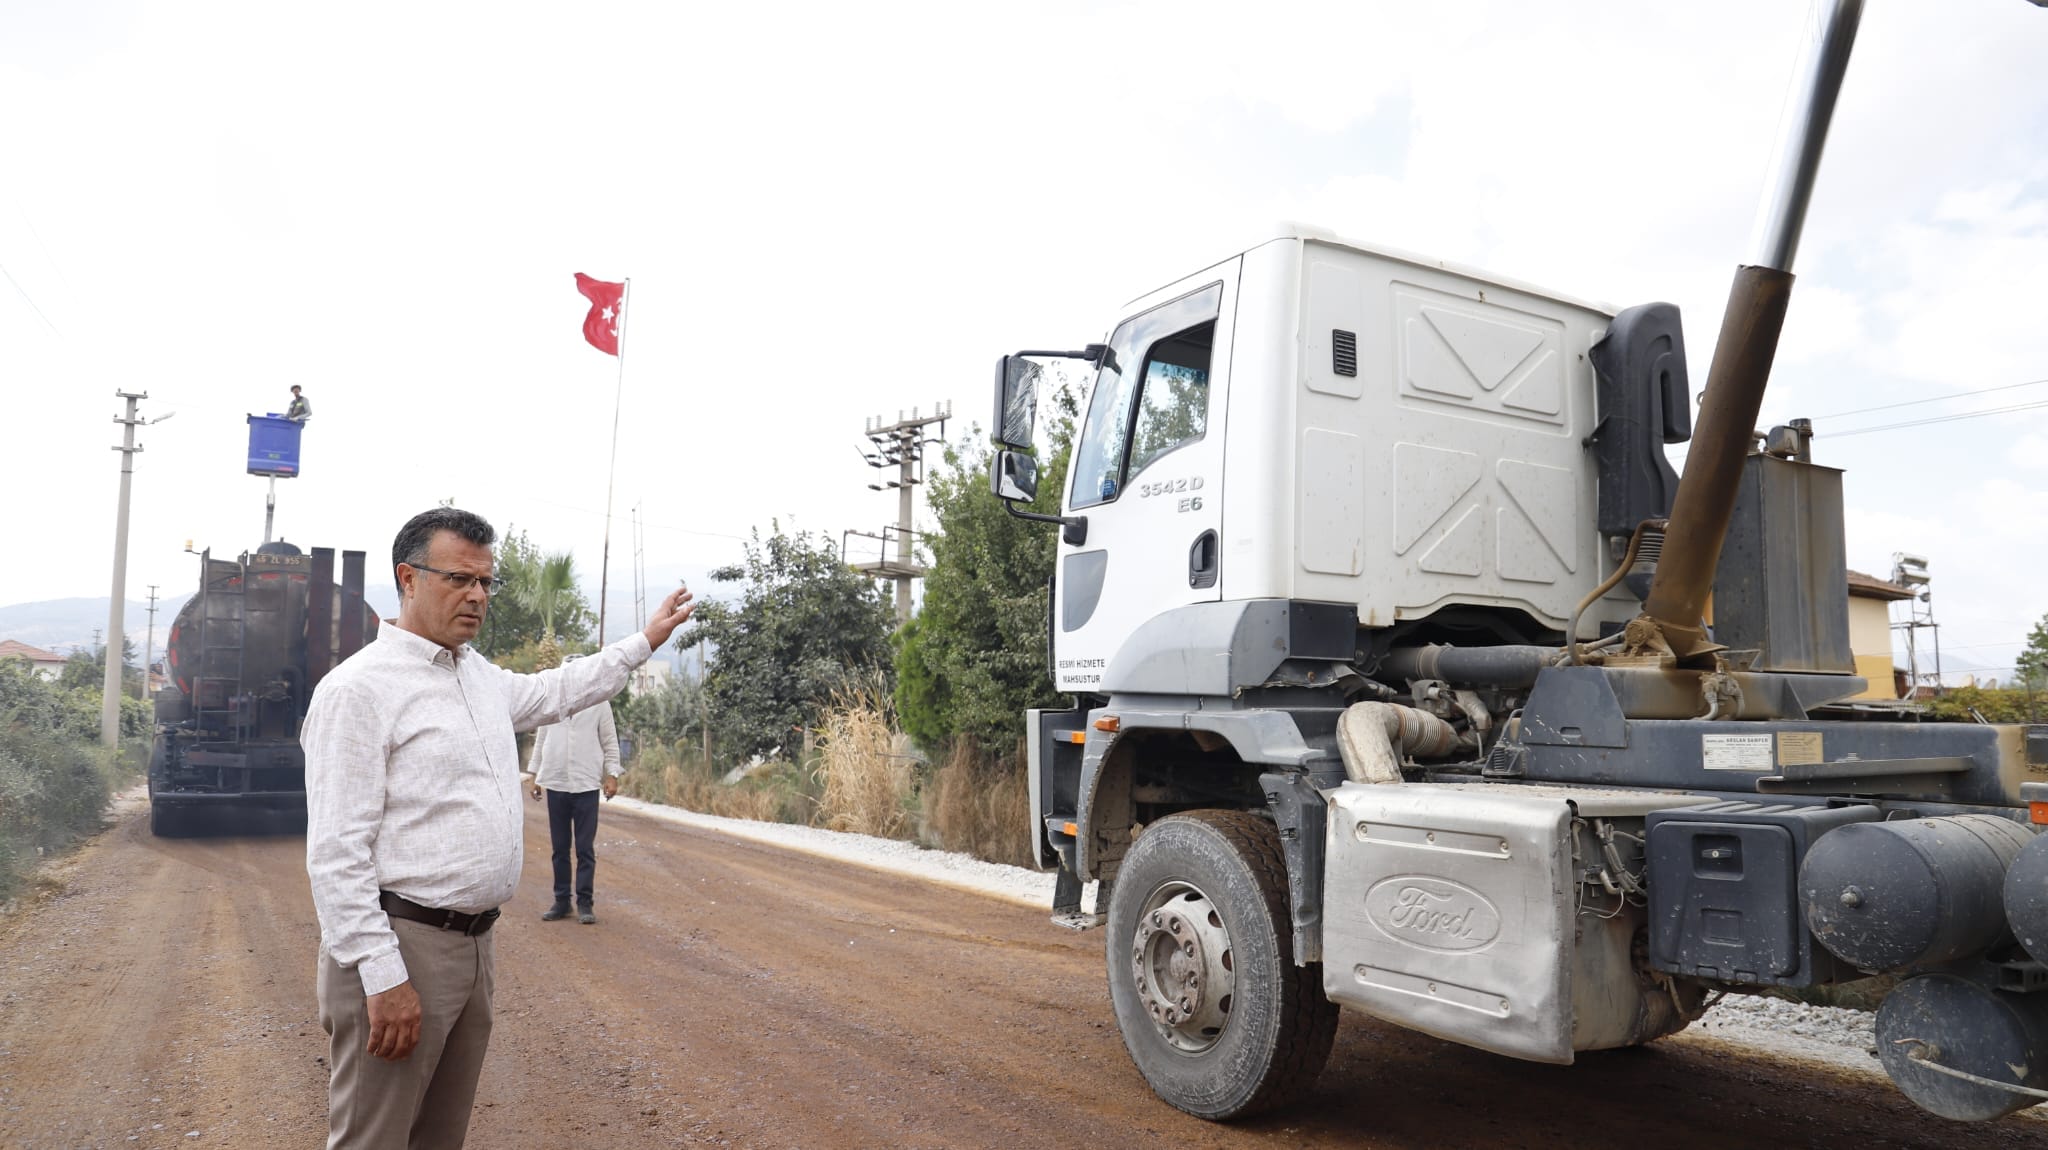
[1432,913]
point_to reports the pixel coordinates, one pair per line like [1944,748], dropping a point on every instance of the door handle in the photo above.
[1202,561]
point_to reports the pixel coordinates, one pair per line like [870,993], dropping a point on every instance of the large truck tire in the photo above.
[164,820]
[1213,1009]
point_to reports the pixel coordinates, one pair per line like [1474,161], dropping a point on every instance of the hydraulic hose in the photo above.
[1621,570]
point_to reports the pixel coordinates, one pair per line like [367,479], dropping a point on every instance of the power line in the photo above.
[643,523]
[1932,399]
[31,301]
[1935,419]
[1981,646]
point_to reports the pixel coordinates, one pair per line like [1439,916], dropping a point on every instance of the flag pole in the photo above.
[611,473]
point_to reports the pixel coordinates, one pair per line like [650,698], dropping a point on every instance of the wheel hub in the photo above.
[1181,959]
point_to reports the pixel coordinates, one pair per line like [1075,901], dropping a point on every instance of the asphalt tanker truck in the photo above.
[1410,678]
[244,655]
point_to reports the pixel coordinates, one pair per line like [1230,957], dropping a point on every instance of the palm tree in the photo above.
[542,588]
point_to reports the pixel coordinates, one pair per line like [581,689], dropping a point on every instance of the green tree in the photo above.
[2030,671]
[806,625]
[2031,668]
[975,658]
[520,617]
[87,670]
[546,589]
[671,712]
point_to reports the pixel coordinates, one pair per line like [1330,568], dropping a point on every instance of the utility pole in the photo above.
[149,644]
[110,686]
[639,573]
[704,703]
[900,445]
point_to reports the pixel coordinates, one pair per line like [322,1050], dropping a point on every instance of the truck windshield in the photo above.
[1163,388]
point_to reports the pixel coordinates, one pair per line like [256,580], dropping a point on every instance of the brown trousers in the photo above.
[422,1102]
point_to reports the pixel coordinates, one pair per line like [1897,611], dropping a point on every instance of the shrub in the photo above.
[667,773]
[54,776]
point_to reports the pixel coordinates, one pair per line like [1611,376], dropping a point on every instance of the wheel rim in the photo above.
[1180,957]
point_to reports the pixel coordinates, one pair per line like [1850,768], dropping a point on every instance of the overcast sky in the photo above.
[832,212]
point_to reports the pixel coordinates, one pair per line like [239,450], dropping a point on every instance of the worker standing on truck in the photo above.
[300,410]
[572,759]
[413,835]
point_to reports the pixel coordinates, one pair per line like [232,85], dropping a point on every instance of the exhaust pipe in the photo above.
[1373,738]
[1671,618]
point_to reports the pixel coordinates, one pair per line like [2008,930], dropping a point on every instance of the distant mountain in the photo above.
[65,625]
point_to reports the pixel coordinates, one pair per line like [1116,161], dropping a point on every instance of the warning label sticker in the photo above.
[1737,752]
[1797,748]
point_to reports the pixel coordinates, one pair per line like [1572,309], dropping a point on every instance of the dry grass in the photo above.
[870,786]
[863,778]
[980,806]
[668,775]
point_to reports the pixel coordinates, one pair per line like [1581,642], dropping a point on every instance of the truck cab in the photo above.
[1321,420]
[1354,597]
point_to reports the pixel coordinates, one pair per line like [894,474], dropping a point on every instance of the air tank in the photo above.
[1891,895]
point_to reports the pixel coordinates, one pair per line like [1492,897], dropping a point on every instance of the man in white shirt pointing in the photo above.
[571,759]
[413,835]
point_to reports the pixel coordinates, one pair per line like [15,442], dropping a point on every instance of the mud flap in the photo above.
[1066,902]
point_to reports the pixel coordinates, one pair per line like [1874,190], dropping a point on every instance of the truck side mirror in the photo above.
[1016,401]
[1014,477]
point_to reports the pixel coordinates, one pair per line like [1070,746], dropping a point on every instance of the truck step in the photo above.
[1078,920]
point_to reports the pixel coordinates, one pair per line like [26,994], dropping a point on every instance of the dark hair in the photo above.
[411,545]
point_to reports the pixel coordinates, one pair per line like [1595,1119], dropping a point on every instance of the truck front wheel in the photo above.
[1213,1009]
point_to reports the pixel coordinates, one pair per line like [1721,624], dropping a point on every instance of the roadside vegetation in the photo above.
[55,777]
[821,712]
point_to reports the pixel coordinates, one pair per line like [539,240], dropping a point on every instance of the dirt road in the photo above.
[160,993]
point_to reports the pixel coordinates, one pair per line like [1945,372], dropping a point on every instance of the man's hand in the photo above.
[536,792]
[673,612]
[394,1022]
[611,786]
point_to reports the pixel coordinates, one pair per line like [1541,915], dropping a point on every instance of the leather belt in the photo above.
[455,920]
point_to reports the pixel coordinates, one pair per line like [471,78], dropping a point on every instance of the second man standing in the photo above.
[571,760]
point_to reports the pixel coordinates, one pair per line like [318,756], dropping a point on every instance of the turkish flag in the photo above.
[601,326]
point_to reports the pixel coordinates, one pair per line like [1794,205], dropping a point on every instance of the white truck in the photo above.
[1387,625]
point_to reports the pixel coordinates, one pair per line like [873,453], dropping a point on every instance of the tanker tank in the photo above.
[243,657]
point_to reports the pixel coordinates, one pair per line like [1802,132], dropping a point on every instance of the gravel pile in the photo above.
[1829,1034]
[1015,884]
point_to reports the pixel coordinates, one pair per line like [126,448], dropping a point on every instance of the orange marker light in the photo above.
[2037,812]
[1077,736]
[1106,723]
[1071,830]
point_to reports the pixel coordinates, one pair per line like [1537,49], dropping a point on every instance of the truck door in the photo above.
[1147,473]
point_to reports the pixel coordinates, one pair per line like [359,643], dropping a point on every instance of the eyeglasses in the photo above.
[463,580]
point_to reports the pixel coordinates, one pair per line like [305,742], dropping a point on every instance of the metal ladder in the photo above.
[220,650]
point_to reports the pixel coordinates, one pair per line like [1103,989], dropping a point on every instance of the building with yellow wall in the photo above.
[1870,632]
